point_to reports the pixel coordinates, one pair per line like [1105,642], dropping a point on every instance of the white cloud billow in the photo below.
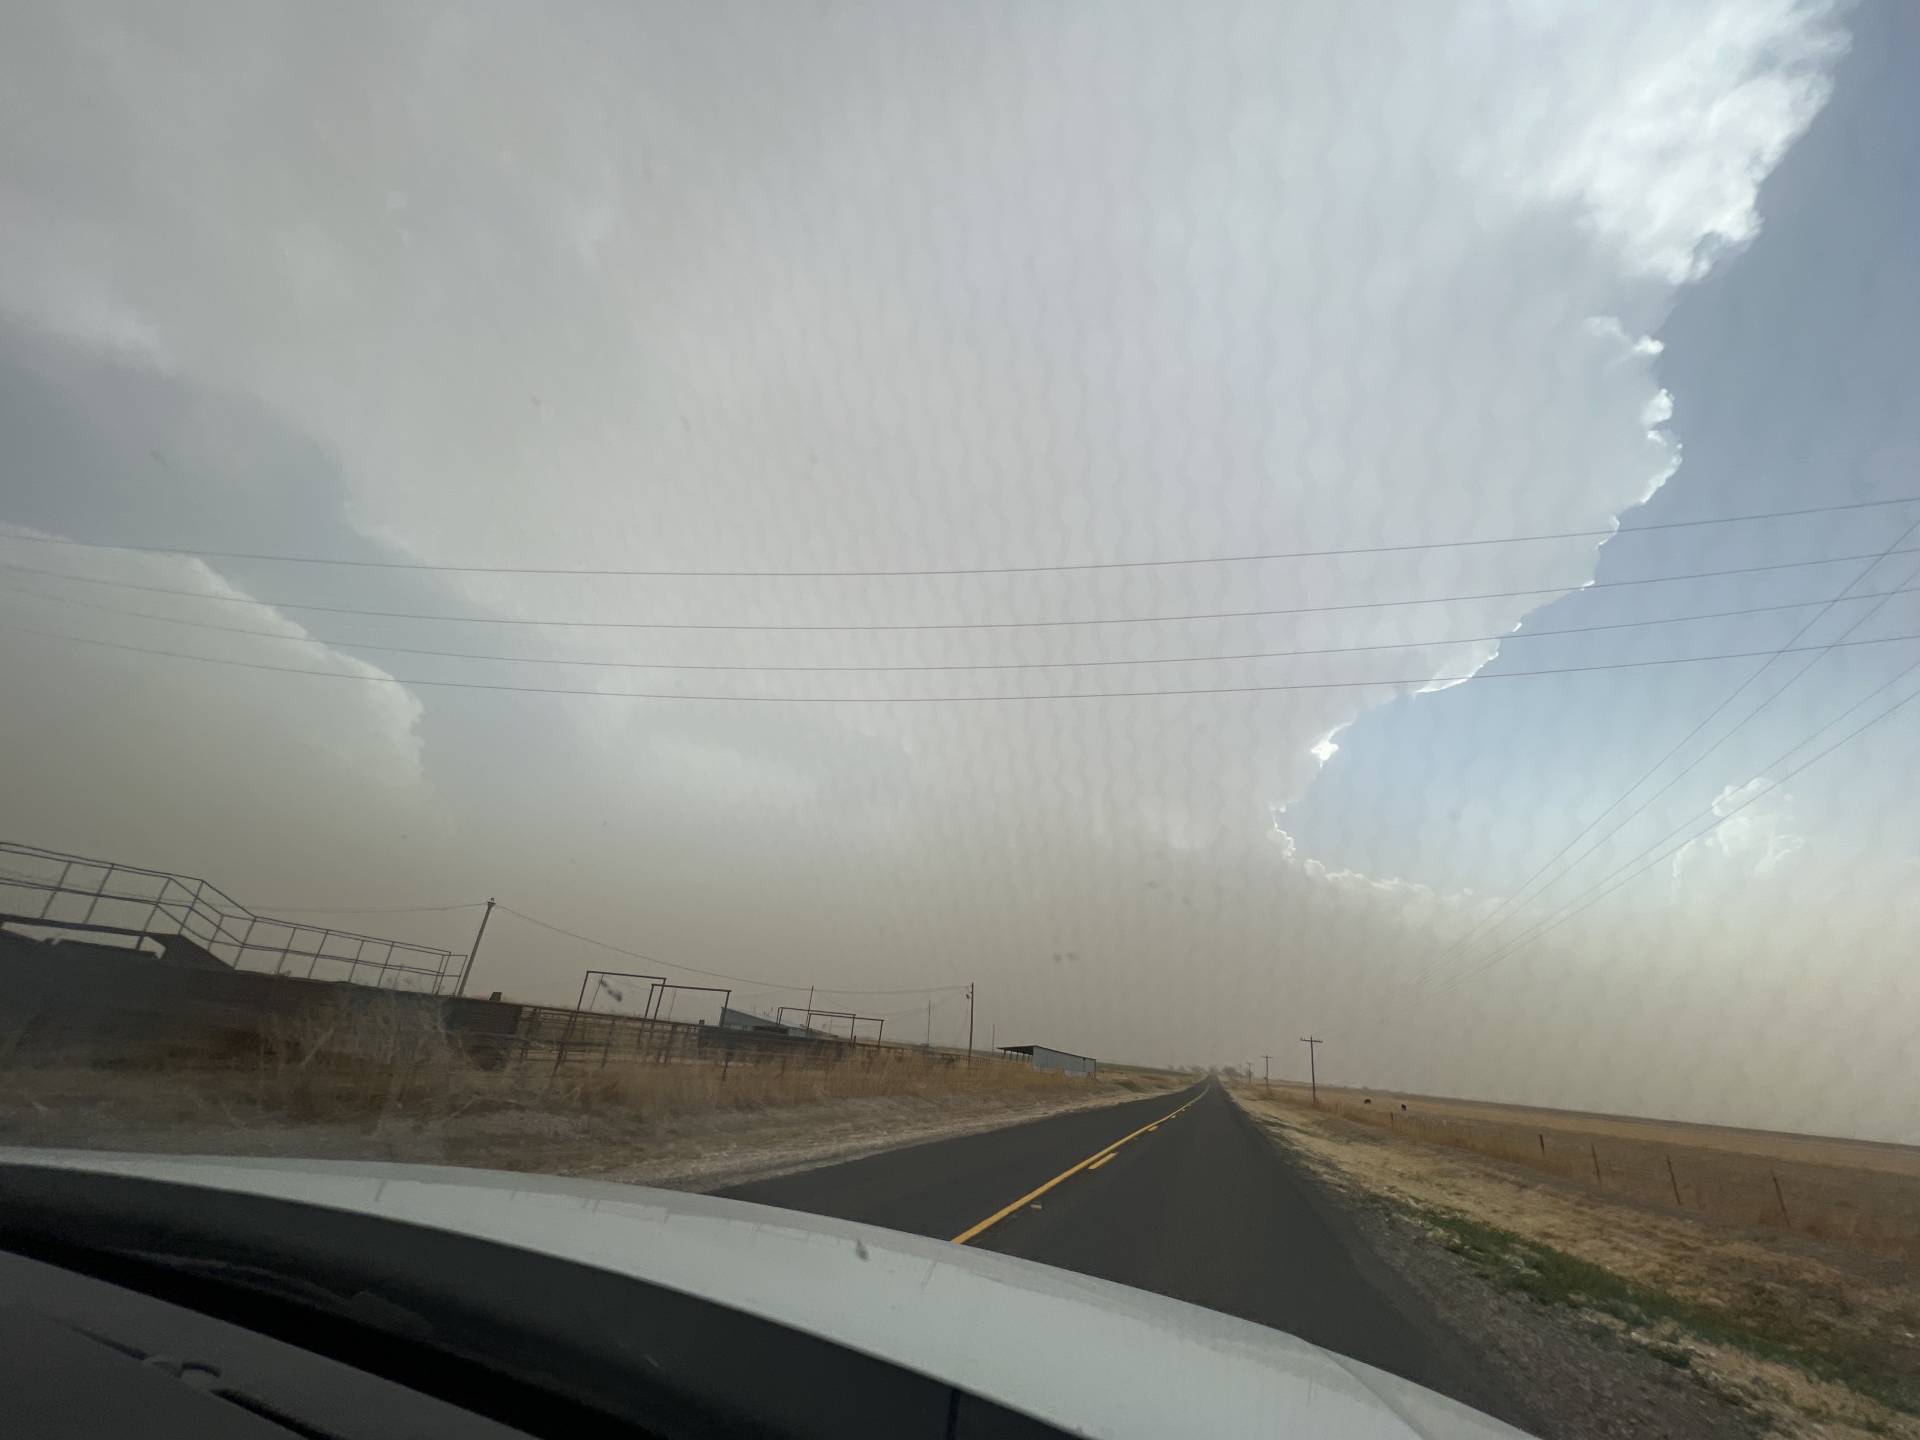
[1663,125]
[1755,836]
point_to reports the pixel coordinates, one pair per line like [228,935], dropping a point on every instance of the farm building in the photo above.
[732,1019]
[1046,1058]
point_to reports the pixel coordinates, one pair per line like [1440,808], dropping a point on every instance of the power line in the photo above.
[1503,912]
[716,974]
[911,1009]
[267,911]
[875,574]
[1434,642]
[1460,946]
[1575,906]
[1722,739]
[1564,587]
[1313,1043]
[1684,771]
[1417,680]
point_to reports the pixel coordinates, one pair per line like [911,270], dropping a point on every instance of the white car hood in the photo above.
[1086,1355]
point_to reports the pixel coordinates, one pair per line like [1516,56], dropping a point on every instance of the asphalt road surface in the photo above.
[1203,1206]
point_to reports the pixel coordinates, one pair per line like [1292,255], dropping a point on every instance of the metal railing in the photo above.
[53,891]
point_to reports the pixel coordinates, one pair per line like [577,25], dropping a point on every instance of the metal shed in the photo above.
[731,1019]
[1045,1057]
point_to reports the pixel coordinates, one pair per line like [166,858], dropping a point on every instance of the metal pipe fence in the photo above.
[111,903]
[557,1036]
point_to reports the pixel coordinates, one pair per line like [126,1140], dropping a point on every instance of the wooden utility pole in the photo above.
[1313,1074]
[467,969]
[1266,1072]
[969,1024]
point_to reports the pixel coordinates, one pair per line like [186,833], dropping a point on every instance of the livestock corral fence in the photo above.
[558,1036]
[123,962]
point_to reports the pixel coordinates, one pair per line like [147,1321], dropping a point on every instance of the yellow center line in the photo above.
[1101,1161]
[1101,1156]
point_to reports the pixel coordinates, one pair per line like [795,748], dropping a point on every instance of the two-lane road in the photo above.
[1179,1194]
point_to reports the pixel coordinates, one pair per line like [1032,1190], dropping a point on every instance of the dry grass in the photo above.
[363,1076]
[1807,1335]
[359,1054]
[704,1086]
[1855,1193]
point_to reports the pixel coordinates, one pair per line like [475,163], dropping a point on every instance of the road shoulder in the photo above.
[1584,1351]
[1466,1371]
[711,1154]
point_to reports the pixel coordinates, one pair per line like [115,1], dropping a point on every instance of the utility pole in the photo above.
[467,969]
[969,1024]
[929,1024]
[1313,1077]
[1266,1072]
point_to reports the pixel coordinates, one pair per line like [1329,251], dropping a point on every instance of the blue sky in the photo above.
[1793,368]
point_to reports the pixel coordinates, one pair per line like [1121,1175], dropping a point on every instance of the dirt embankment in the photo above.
[1616,1314]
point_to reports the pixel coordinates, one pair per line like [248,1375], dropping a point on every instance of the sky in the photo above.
[461,292]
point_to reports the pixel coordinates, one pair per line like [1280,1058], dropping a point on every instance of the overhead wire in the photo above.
[898,626]
[1500,916]
[1789,648]
[762,984]
[1396,681]
[267,911]
[1581,902]
[1431,643]
[1608,532]
[1721,739]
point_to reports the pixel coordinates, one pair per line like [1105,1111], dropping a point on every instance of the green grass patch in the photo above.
[1553,1277]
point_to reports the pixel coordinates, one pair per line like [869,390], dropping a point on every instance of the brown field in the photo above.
[1808,1328]
[1858,1193]
[387,1083]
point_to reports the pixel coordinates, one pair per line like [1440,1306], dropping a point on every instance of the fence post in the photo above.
[59,888]
[106,873]
[154,914]
[1779,1195]
[1674,1181]
[1596,1162]
[193,910]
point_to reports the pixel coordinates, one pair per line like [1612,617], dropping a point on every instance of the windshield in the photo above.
[1264,651]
